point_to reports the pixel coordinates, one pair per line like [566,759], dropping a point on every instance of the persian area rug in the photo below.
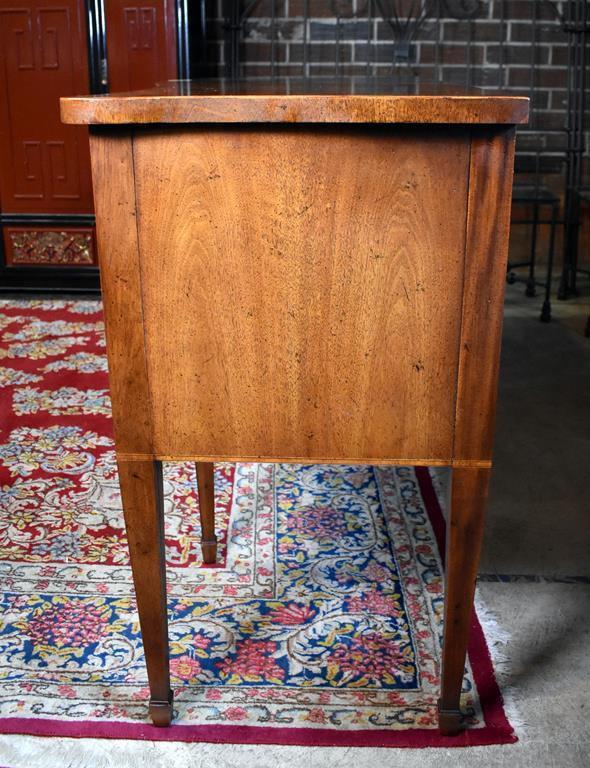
[320,624]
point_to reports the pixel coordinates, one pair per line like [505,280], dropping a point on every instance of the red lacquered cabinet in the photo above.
[50,49]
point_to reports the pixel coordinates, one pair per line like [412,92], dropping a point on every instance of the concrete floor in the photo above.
[538,530]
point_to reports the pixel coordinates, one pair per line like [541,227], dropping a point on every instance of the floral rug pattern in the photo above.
[324,610]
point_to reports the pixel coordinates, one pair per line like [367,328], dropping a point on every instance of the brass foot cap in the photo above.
[161,711]
[449,721]
[209,550]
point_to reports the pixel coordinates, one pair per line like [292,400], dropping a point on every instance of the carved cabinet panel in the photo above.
[50,246]
[141,47]
[45,164]
[49,49]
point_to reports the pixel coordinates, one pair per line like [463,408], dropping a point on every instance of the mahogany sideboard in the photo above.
[307,272]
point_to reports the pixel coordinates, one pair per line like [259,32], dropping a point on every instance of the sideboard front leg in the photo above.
[206,486]
[464,537]
[143,507]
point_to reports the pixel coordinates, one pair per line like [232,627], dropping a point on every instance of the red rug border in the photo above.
[497,729]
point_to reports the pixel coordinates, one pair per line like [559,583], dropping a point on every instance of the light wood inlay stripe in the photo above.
[403,462]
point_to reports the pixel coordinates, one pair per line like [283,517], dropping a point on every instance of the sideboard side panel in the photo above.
[486,254]
[302,290]
[114,195]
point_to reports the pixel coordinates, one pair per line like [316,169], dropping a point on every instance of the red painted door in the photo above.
[141,43]
[45,165]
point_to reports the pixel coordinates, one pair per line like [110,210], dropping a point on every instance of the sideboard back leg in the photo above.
[143,507]
[205,483]
[464,537]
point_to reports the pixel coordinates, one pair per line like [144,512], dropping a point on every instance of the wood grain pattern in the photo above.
[464,538]
[488,225]
[142,493]
[304,306]
[302,293]
[116,228]
[290,100]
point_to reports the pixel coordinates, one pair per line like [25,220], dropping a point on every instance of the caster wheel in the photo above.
[546,313]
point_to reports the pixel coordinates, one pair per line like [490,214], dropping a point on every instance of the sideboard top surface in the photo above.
[296,100]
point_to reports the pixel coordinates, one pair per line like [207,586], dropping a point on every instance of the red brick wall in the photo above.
[502,47]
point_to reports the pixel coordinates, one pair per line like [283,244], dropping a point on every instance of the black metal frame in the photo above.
[584,197]
[197,57]
[574,19]
[576,23]
[537,198]
[404,29]
[202,53]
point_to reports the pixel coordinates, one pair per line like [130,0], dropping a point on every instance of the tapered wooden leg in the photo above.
[205,483]
[464,537]
[142,491]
